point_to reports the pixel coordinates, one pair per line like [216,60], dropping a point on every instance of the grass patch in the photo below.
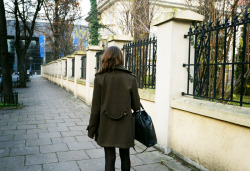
[236,97]
[147,94]
[10,106]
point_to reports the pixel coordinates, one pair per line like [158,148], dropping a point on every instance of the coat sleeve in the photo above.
[135,98]
[95,110]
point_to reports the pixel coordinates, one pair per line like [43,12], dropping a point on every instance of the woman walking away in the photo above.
[111,122]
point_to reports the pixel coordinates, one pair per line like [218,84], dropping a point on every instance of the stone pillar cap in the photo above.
[121,38]
[80,53]
[70,56]
[94,48]
[64,58]
[186,15]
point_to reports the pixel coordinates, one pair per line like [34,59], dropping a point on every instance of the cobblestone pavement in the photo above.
[49,133]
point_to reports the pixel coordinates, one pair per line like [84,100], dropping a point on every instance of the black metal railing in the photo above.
[73,67]
[98,60]
[140,58]
[9,99]
[83,67]
[220,68]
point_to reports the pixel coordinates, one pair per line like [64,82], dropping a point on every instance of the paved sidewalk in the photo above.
[49,134]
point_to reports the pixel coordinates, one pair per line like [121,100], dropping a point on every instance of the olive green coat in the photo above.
[111,122]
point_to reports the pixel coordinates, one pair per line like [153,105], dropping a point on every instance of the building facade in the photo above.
[116,15]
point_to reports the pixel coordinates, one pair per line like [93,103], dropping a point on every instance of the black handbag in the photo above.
[144,128]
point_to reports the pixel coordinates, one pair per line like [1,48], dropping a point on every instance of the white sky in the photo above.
[84,4]
[85,8]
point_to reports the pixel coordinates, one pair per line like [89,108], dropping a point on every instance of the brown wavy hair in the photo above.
[111,59]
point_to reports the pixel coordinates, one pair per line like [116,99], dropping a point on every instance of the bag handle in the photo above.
[140,152]
[142,106]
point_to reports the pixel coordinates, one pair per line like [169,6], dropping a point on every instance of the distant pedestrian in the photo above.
[111,122]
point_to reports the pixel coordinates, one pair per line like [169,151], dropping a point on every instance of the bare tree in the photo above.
[61,15]
[134,17]
[26,14]
[82,36]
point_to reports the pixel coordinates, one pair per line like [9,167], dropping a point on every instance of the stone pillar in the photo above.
[90,69]
[69,69]
[63,70]
[55,71]
[58,73]
[171,76]
[119,40]
[78,66]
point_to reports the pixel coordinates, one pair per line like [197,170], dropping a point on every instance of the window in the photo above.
[11,46]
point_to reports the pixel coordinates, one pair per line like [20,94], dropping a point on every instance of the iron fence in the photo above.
[83,67]
[9,99]
[220,68]
[98,60]
[140,58]
[66,68]
[73,67]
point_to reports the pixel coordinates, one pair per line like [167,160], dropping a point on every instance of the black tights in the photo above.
[110,159]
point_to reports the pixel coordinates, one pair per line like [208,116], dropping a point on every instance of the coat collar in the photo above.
[121,68]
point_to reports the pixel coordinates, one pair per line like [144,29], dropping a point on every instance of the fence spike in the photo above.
[235,19]
[217,24]
[226,19]
[246,14]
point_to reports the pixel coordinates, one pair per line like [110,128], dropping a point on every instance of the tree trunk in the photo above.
[56,34]
[21,51]
[22,71]
[6,73]
[140,16]
[21,61]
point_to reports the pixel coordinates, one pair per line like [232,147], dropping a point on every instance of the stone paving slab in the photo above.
[62,166]
[53,148]
[4,152]
[93,164]
[11,144]
[25,168]
[37,142]
[41,159]
[72,155]
[49,134]
[81,146]
[64,140]
[6,162]
[21,151]
[6,138]
[26,136]
[152,167]
[95,153]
